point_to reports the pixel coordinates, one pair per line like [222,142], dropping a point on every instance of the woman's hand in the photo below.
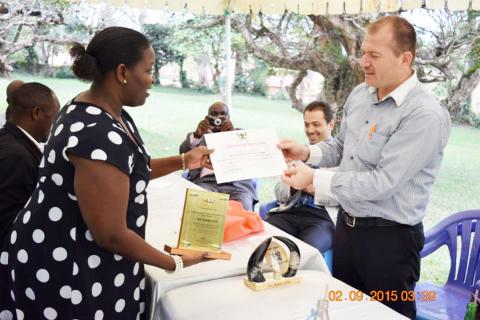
[197,157]
[194,258]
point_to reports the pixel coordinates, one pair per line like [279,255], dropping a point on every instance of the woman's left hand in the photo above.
[197,157]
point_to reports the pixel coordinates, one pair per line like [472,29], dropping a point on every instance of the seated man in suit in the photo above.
[297,213]
[12,86]
[32,109]
[218,120]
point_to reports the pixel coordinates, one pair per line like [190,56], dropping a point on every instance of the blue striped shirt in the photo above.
[389,153]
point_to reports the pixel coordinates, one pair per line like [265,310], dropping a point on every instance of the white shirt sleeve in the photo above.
[322,181]
[315,155]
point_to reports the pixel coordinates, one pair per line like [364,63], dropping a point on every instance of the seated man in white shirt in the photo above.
[297,213]
[33,107]
[218,120]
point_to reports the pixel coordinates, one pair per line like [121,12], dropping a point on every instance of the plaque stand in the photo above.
[271,282]
[210,254]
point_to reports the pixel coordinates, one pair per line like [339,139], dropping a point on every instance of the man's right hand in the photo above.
[293,150]
[202,128]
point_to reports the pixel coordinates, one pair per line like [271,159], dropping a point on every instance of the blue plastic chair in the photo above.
[451,300]
[266,207]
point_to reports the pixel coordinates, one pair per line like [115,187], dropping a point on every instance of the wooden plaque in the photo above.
[202,225]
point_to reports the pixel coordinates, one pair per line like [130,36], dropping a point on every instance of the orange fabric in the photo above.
[240,222]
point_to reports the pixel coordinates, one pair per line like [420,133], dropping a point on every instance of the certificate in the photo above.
[245,154]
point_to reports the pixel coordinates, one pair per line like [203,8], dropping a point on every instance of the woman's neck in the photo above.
[100,95]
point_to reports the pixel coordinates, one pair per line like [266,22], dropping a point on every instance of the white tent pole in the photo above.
[228,64]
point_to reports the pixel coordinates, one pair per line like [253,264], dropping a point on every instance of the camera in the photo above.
[215,121]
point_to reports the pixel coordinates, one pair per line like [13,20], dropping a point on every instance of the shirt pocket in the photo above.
[369,150]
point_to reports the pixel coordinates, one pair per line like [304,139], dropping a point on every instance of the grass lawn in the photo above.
[170,113]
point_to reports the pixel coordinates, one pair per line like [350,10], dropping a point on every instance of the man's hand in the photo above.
[197,157]
[202,128]
[310,190]
[298,175]
[292,150]
[227,125]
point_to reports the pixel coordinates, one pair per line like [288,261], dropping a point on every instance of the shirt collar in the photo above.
[400,92]
[35,142]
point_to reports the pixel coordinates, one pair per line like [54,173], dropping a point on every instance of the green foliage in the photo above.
[161,40]
[21,64]
[253,80]
[64,72]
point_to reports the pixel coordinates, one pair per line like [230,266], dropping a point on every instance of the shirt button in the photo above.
[366,121]
[351,157]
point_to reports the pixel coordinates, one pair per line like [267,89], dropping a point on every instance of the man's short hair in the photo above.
[327,110]
[30,95]
[12,86]
[404,36]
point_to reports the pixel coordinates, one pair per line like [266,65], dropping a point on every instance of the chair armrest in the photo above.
[434,239]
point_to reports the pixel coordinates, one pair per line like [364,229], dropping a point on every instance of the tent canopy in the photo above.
[317,7]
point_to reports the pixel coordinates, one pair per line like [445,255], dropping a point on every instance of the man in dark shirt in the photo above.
[32,108]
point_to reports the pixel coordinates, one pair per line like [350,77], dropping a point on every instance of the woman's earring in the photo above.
[124,81]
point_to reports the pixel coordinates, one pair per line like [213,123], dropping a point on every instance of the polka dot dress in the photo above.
[50,266]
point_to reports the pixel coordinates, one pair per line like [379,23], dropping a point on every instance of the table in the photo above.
[165,205]
[229,298]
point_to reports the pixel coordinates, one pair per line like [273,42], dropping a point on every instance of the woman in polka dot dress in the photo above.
[77,249]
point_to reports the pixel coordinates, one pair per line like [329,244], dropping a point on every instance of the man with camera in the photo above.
[218,120]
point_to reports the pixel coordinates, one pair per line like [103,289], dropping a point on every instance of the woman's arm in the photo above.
[102,192]
[194,159]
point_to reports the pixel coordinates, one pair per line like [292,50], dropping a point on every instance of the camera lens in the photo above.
[217,122]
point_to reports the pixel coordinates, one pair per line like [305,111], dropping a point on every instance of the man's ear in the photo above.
[407,58]
[331,124]
[121,74]
[36,113]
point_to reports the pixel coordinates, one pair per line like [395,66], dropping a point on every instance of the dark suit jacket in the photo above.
[19,161]
[194,174]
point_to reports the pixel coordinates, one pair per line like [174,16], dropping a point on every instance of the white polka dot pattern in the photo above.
[98,154]
[51,235]
[115,137]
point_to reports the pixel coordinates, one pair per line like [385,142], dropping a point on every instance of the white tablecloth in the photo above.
[165,203]
[230,299]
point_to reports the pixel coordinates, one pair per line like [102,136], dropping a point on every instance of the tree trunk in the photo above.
[460,95]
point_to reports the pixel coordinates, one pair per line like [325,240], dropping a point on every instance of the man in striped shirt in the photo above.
[389,150]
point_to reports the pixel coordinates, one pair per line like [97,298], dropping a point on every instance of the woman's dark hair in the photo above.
[328,113]
[108,48]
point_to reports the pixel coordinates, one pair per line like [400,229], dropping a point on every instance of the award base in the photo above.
[270,283]
[211,254]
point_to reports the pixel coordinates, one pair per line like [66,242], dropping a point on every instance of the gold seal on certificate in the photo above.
[284,266]
[202,224]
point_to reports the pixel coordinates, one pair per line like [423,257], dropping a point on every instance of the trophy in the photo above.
[284,267]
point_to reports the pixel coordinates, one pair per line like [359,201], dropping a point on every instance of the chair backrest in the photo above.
[463,226]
